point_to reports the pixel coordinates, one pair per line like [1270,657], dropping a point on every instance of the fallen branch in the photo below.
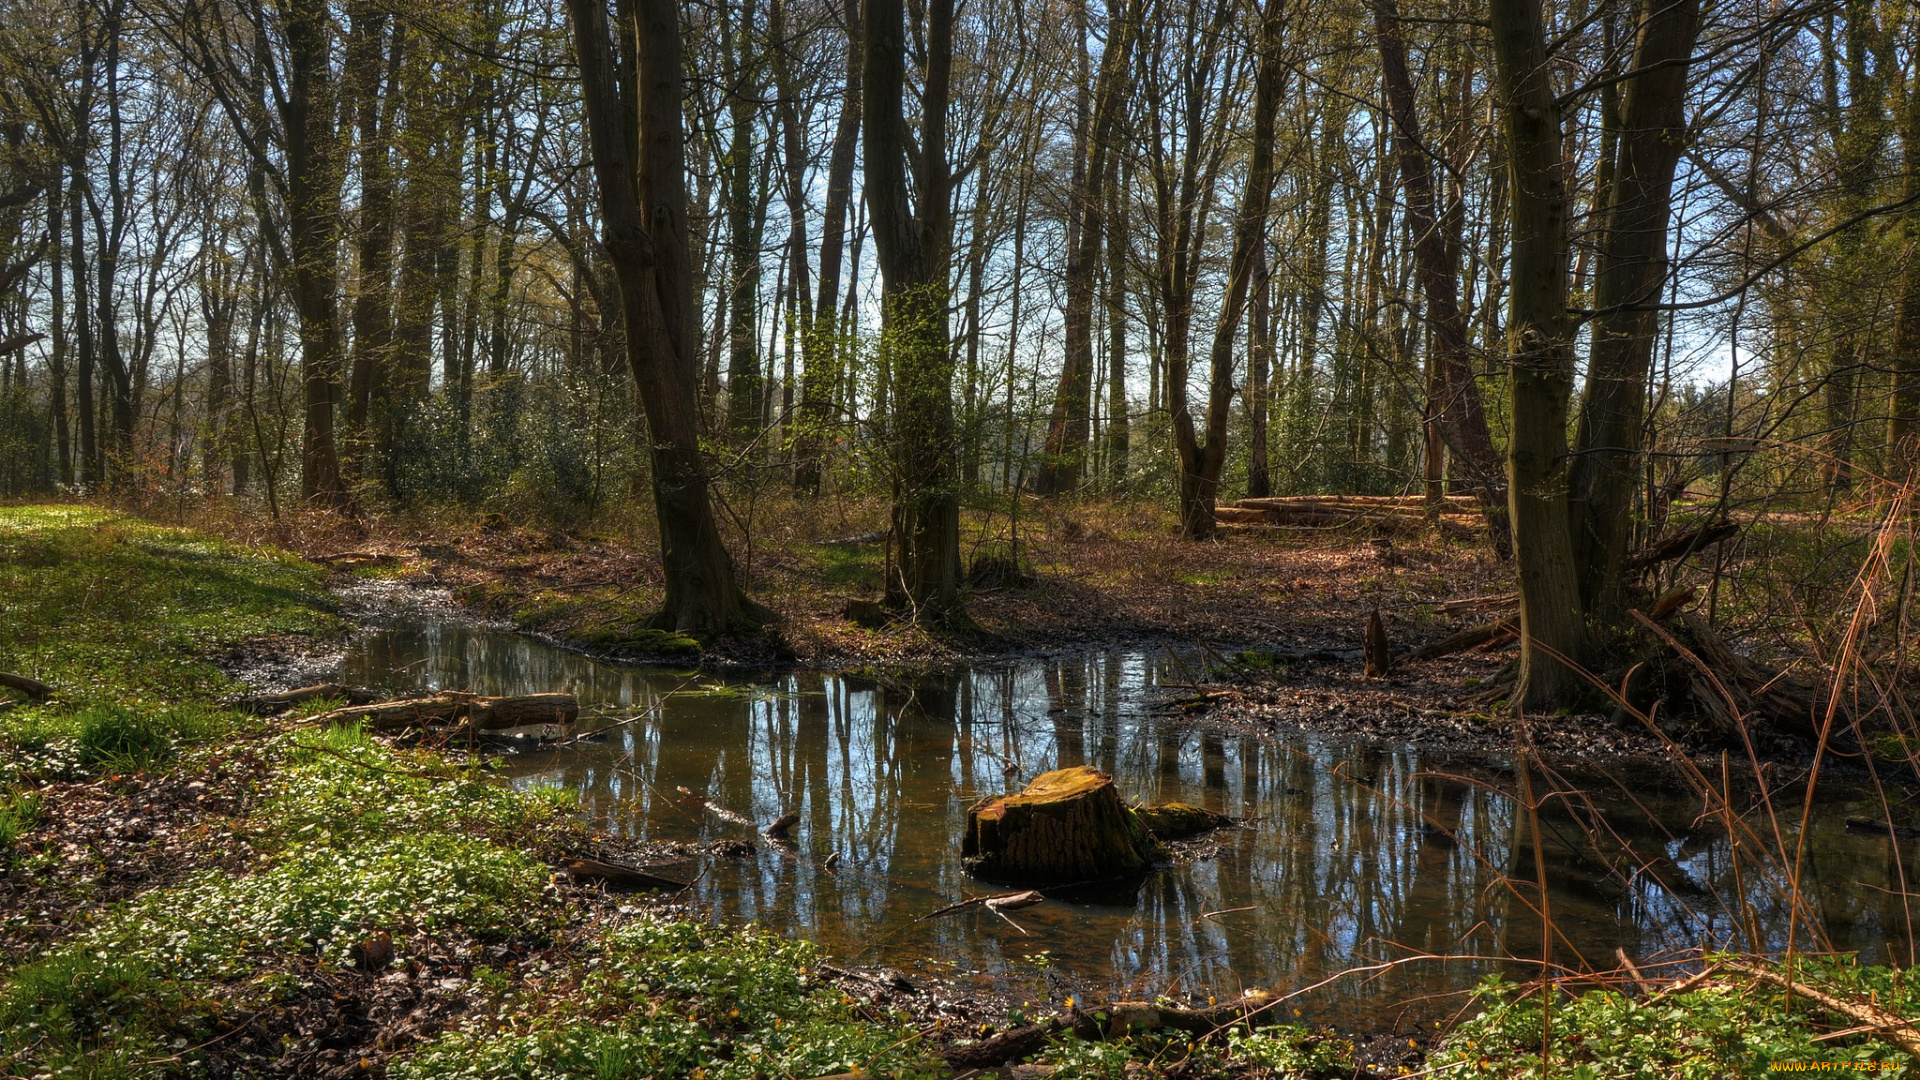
[1126,1017]
[464,710]
[715,808]
[271,704]
[627,877]
[1010,901]
[1466,639]
[1498,602]
[1006,1047]
[1893,1027]
[33,688]
[1680,546]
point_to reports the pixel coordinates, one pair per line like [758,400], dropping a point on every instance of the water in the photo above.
[1334,871]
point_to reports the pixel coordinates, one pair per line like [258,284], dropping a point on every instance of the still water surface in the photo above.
[1340,863]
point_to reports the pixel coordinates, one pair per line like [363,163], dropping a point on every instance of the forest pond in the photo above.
[1339,863]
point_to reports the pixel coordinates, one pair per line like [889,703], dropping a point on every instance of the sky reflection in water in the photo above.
[1335,870]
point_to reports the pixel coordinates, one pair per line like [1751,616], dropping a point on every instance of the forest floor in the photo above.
[1281,612]
[187,889]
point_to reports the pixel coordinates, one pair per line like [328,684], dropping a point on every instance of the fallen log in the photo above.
[33,688]
[1180,821]
[620,877]
[1005,1048]
[1236,515]
[458,709]
[354,560]
[1460,503]
[1881,828]
[1123,1018]
[271,704]
[1288,506]
[778,828]
[715,808]
[1467,639]
[1496,602]
[1319,518]
[1673,601]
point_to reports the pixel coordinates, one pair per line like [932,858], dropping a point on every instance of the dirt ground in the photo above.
[1281,611]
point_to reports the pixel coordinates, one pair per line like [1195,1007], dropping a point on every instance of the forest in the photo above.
[500,497]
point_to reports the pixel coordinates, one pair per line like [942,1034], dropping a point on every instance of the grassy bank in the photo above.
[187,890]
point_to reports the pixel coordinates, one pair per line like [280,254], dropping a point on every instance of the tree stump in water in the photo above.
[1068,826]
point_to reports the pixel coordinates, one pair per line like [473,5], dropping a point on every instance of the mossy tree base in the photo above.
[1068,826]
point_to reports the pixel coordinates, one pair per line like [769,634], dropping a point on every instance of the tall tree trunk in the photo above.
[57,328]
[739,67]
[373,61]
[313,219]
[912,244]
[656,289]
[1540,358]
[1259,369]
[1631,269]
[1903,453]
[799,320]
[1454,405]
[1064,451]
[1201,462]
[1857,143]
[1119,426]
[90,471]
[821,347]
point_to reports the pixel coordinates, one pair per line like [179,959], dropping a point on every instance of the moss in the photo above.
[1178,820]
[638,641]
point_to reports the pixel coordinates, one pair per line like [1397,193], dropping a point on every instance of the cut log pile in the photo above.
[1380,513]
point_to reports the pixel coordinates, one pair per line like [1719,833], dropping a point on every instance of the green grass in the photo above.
[87,1016]
[110,610]
[19,811]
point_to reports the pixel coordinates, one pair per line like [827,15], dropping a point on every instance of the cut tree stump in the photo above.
[454,708]
[1068,826]
[1378,655]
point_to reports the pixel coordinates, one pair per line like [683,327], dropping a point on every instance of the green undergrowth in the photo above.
[663,998]
[321,899]
[1724,1030]
[111,610]
[338,786]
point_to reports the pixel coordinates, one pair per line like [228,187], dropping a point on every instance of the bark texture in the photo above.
[1068,826]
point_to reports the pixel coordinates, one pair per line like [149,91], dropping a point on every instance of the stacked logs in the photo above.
[1391,514]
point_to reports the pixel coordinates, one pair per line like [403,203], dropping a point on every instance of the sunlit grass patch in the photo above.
[339,787]
[108,609]
[19,811]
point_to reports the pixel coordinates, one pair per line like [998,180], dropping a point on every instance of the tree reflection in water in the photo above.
[1336,868]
